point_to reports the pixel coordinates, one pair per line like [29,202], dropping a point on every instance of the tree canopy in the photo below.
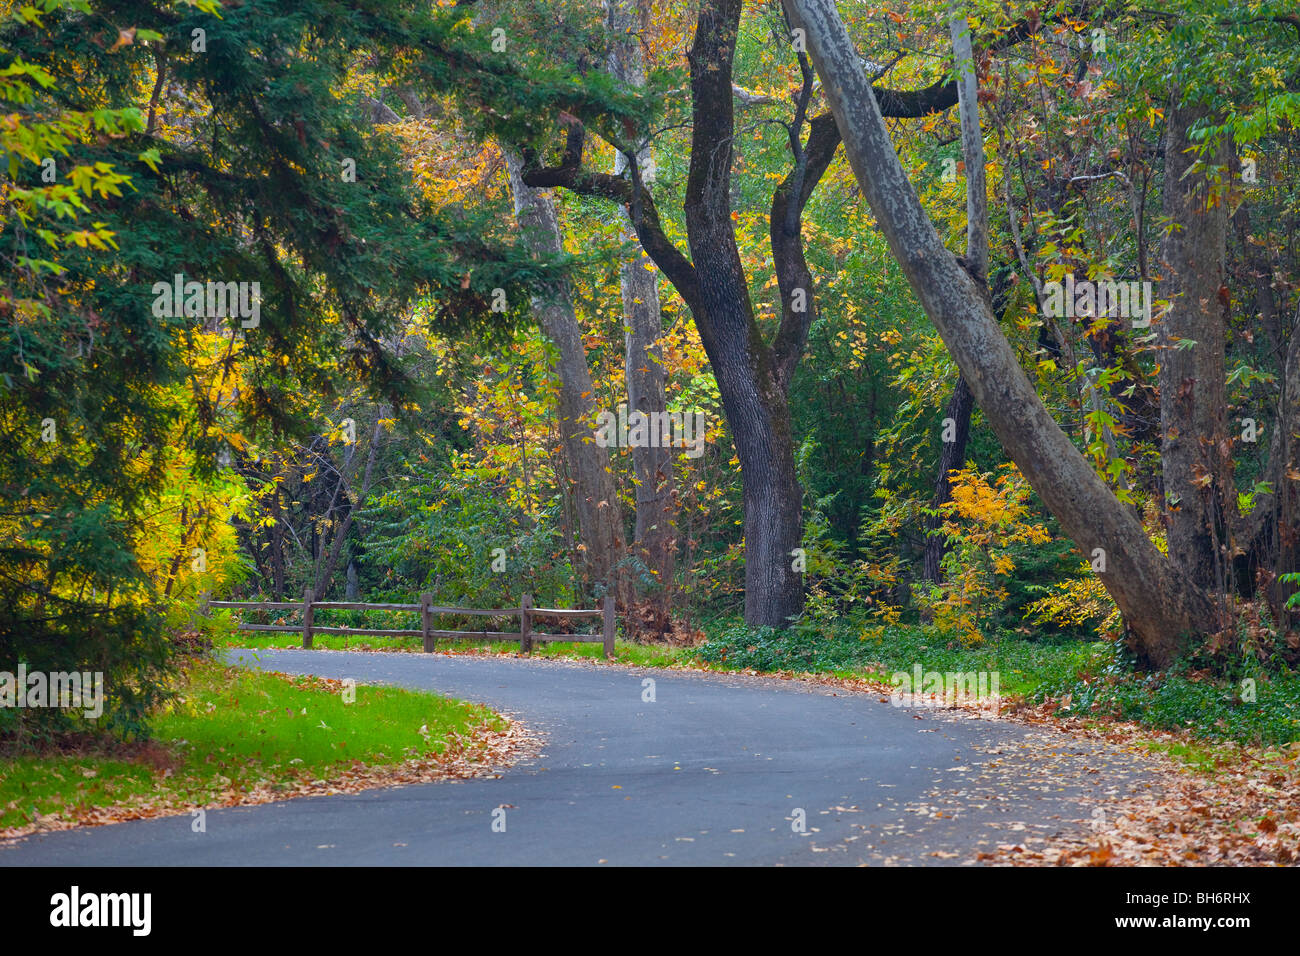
[988,313]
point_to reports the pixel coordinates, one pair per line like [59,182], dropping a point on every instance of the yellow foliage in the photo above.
[1076,601]
[985,517]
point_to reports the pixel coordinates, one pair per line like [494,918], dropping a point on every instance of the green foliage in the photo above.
[1291,578]
[234,175]
[1188,700]
[439,530]
[227,163]
[852,647]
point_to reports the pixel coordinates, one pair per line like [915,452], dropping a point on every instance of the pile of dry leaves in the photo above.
[1238,809]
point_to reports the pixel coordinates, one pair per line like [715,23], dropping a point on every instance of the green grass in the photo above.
[1198,756]
[237,729]
[1090,679]
[625,652]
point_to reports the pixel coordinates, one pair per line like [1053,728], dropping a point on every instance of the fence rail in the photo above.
[427,611]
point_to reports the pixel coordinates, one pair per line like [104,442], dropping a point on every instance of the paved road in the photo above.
[712,772]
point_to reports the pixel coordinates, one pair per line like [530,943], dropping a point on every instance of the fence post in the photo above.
[609,626]
[308,596]
[425,620]
[526,624]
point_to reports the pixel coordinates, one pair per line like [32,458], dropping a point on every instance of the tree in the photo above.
[1196,454]
[655,535]
[960,406]
[220,150]
[600,524]
[1162,608]
[753,371]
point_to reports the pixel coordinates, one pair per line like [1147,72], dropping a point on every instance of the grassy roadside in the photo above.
[1063,676]
[1228,765]
[625,652]
[240,736]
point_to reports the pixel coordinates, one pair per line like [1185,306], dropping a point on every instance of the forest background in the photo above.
[475,227]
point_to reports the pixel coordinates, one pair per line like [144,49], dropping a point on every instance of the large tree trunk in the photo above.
[1195,452]
[643,330]
[600,526]
[753,392]
[759,417]
[1163,609]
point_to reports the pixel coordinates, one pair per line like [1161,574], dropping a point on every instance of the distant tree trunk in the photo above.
[277,544]
[1286,483]
[1195,452]
[1270,534]
[600,526]
[1163,609]
[325,573]
[972,149]
[952,455]
[643,329]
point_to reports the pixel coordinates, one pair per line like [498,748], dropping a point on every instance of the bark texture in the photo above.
[952,455]
[1195,451]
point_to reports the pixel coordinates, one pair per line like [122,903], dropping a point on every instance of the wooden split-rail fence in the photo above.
[428,611]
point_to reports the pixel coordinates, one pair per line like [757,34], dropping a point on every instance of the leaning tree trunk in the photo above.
[1195,452]
[599,522]
[643,330]
[1163,609]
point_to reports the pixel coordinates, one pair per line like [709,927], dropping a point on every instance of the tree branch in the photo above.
[640,204]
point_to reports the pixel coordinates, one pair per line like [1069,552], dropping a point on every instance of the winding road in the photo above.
[716,770]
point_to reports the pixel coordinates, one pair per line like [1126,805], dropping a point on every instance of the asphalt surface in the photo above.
[715,770]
